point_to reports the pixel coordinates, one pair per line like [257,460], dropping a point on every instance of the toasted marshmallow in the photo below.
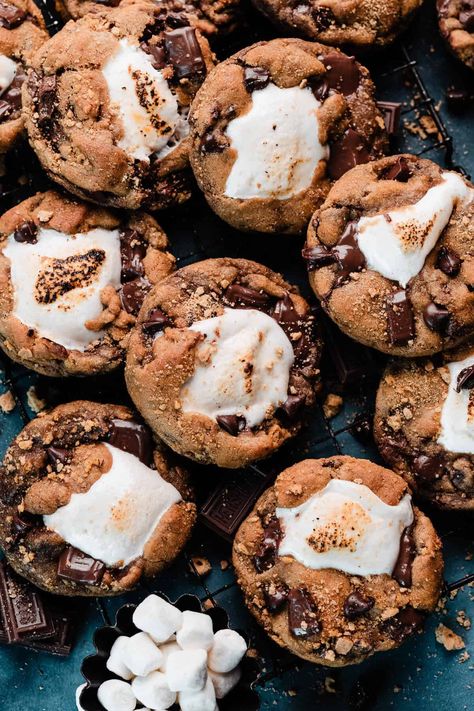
[457,414]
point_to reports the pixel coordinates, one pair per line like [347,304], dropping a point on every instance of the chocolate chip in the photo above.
[349,257]
[275,596]
[448,261]
[346,153]
[391,111]
[132,437]
[157,320]
[58,455]
[292,407]
[22,523]
[10,15]
[238,295]
[256,78]
[302,614]
[405,624]
[133,293]
[357,604]
[399,171]
[406,555]
[342,73]
[268,550]
[400,318]
[26,233]
[323,18]
[465,379]
[79,567]
[436,317]
[46,98]
[317,257]
[232,424]
[133,248]
[184,52]
[428,468]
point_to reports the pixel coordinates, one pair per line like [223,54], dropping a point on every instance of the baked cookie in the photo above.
[22,32]
[424,427]
[390,256]
[274,124]
[456,22]
[224,361]
[362,24]
[336,563]
[107,101]
[89,503]
[72,280]
[211,17]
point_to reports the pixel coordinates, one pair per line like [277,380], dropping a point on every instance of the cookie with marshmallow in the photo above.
[90,504]
[274,124]
[107,104]
[22,32]
[390,256]
[424,426]
[72,280]
[223,361]
[336,563]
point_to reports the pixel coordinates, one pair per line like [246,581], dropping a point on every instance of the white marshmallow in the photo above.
[115,695]
[166,650]
[227,651]
[187,670]
[141,655]
[223,683]
[457,414]
[203,700]
[196,631]
[115,661]
[7,72]
[78,693]
[153,690]
[157,617]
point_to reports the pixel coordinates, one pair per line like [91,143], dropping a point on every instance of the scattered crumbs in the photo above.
[7,402]
[415,129]
[225,564]
[291,692]
[200,565]
[208,604]
[429,125]
[397,689]
[35,403]
[463,620]
[330,685]
[332,405]
[449,639]
[464,657]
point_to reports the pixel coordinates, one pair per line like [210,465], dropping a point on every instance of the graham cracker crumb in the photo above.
[449,639]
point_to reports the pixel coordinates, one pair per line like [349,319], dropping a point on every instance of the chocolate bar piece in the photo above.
[80,567]
[391,111]
[23,612]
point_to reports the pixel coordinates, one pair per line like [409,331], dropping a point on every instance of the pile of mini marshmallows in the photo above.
[176,658]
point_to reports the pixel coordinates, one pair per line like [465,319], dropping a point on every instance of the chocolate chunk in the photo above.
[157,54]
[399,171]
[268,550]
[342,73]
[317,257]
[400,318]
[448,261]
[244,296]
[22,609]
[402,570]
[233,424]
[302,614]
[292,407]
[58,455]
[436,317]
[132,437]
[133,293]
[256,78]
[428,468]
[346,153]
[10,15]
[391,111]
[285,313]
[405,624]
[323,18]
[132,250]
[465,379]
[157,320]
[357,604]
[26,233]
[349,257]
[80,567]
[275,596]
[184,52]
[46,98]
[60,642]
[22,523]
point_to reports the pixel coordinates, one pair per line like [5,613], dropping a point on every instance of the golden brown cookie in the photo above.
[335,563]
[274,124]
[456,22]
[22,32]
[223,361]
[107,101]
[90,503]
[423,426]
[72,280]
[390,256]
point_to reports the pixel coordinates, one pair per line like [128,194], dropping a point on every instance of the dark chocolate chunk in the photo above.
[22,523]
[346,153]
[268,550]
[285,313]
[59,643]
[342,73]
[10,15]
[465,379]
[302,614]
[275,596]
[436,317]
[400,318]
[404,624]
[255,78]
[26,233]
[239,296]
[58,455]
[402,570]
[46,98]
[184,52]
[233,424]
[22,609]
[80,567]
[391,111]
[323,18]
[132,437]
[349,257]
[133,293]
[448,261]
[157,320]
[157,54]
[317,257]
[357,604]
[428,468]
[292,407]
[133,250]
[399,171]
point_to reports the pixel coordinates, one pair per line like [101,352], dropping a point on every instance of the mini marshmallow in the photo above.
[78,693]
[228,649]
[141,655]
[223,683]
[196,631]
[158,618]
[115,695]
[204,700]
[153,690]
[115,661]
[166,650]
[187,670]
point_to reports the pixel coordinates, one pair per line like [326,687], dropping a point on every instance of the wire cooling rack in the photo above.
[407,679]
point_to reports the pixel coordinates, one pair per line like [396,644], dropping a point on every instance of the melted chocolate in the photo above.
[292,407]
[58,455]
[133,250]
[232,424]
[302,614]
[275,596]
[346,254]
[436,317]
[75,565]
[22,523]
[403,567]
[465,379]
[26,233]
[132,437]
[356,604]
[268,550]
[10,15]
[256,78]
[346,153]
[10,103]
[244,296]
[184,52]
[342,75]
[317,257]
[400,318]
[448,261]
[428,468]
[285,313]
[157,320]
[46,101]
[405,623]
[399,171]
[133,293]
